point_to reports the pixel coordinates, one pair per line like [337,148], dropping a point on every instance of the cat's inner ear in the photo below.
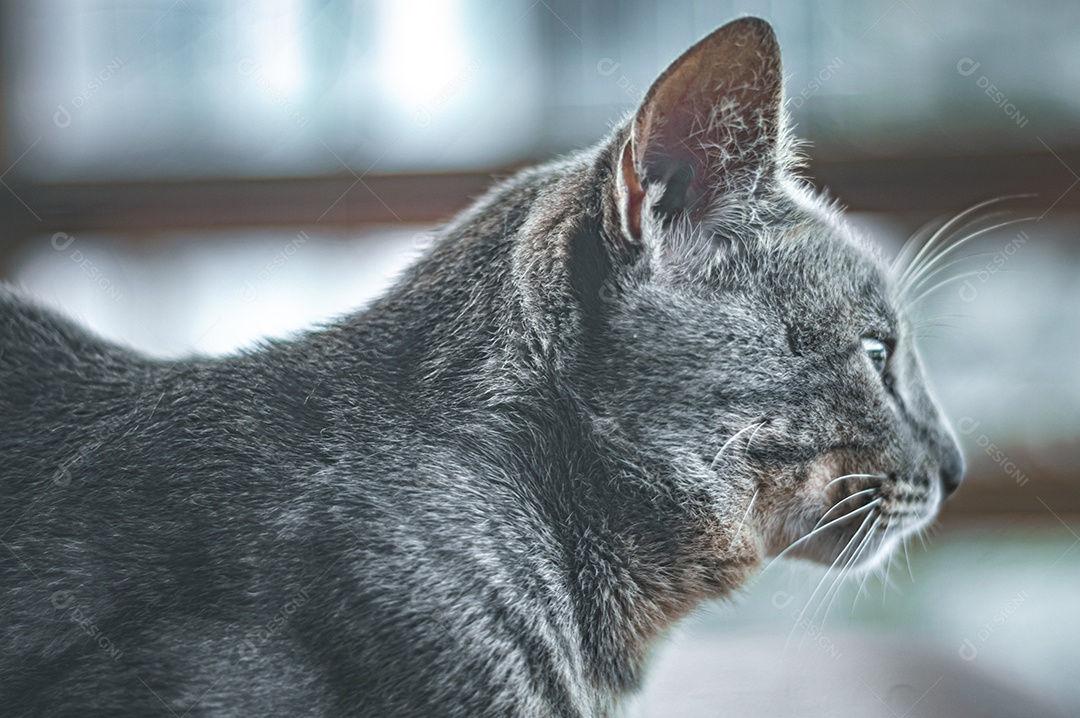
[709,125]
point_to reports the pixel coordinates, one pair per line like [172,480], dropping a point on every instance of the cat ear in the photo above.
[708,125]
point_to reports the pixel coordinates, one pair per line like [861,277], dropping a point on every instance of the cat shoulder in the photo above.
[38,341]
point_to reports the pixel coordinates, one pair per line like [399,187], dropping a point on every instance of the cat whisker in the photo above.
[933,323]
[924,539]
[750,505]
[881,570]
[957,245]
[935,237]
[921,278]
[802,611]
[907,558]
[854,476]
[931,257]
[750,441]
[734,436]
[939,325]
[944,282]
[954,315]
[933,333]
[950,224]
[842,556]
[834,588]
[945,228]
[886,575]
[902,258]
[818,529]
[884,541]
[887,583]
[864,544]
[843,501]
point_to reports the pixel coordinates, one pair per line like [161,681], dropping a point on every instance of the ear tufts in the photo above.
[710,124]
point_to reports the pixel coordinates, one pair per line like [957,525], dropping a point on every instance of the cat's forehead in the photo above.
[818,271]
[817,239]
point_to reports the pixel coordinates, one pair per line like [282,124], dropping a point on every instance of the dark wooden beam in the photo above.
[942,184]
[1042,482]
[139,207]
[910,184]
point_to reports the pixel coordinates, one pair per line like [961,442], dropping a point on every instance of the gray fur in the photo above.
[490,492]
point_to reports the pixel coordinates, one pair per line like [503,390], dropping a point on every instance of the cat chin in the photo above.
[858,540]
[877,554]
[880,545]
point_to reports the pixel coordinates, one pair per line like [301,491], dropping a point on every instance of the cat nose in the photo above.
[952,470]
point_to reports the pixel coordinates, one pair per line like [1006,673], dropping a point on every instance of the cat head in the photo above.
[752,345]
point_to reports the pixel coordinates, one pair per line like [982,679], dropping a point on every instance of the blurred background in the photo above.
[190,176]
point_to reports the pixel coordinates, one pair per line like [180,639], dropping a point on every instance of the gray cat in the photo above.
[613,387]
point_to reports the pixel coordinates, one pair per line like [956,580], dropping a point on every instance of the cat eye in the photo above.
[878,351]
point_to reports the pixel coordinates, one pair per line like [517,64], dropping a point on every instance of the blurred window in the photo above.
[115,89]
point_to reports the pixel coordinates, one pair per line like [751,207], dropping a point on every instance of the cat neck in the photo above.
[483,340]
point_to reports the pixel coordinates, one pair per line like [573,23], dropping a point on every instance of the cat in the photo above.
[613,387]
